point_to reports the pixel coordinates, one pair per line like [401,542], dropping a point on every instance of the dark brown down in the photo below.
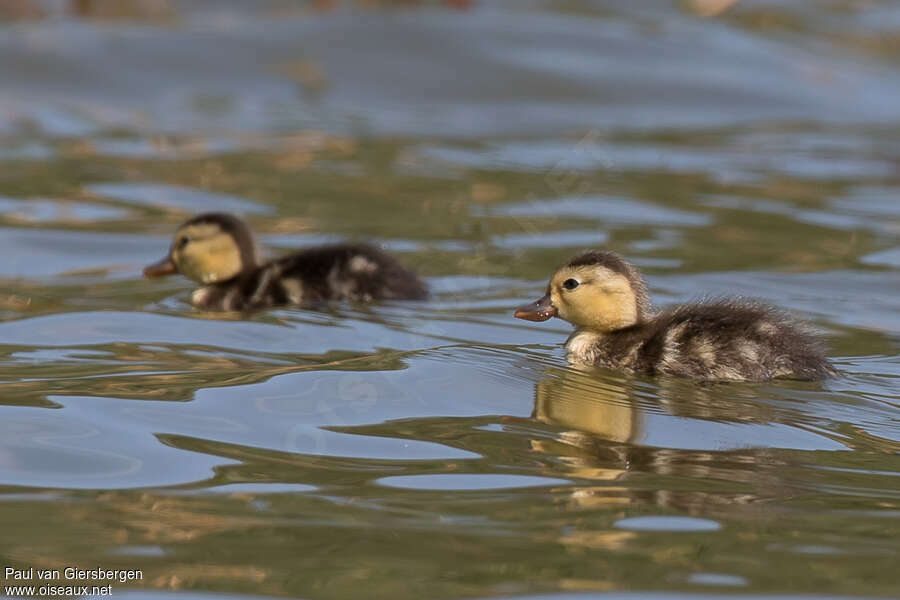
[355,272]
[730,339]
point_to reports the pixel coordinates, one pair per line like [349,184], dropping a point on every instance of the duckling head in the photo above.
[209,248]
[597,290]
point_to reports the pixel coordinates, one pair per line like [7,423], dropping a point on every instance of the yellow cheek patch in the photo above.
[209,256]
[603,301]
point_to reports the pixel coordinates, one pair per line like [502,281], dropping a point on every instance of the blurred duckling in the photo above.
[606,300]
[217,250]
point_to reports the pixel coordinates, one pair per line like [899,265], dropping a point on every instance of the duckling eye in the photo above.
[570,284]
[182,242]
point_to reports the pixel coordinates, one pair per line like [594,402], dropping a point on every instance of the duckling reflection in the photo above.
[587,405]
[612,434]
[602,417]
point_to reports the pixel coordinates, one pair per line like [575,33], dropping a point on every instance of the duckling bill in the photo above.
[606,300]
[218,251]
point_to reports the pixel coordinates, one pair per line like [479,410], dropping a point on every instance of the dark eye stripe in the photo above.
[570,284]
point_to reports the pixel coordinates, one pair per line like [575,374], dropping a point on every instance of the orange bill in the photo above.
[161,268]
[539,310]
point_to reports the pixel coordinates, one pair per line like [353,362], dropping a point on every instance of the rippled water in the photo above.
[442,449]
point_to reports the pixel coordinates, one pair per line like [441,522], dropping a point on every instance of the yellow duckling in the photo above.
[218,251]
[606,300]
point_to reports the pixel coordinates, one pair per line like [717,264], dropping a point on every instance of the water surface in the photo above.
[442,449]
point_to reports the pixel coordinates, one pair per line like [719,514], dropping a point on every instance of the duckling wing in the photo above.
[357,272]
[732,340]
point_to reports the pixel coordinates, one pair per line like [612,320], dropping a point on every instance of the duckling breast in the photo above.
[259,288]
[623,351]
[201,297]
[584,348]
[218,297]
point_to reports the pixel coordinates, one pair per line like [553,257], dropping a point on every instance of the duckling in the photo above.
[606,300]
[218,251]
